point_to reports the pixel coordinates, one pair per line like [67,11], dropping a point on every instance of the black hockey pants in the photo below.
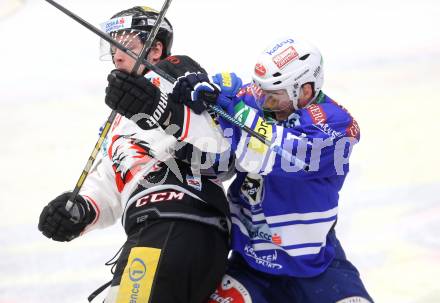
[170,261]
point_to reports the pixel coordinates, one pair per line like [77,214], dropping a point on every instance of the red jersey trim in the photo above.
[186,123]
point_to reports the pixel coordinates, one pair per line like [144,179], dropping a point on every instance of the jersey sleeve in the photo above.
[100,190]
[199,130]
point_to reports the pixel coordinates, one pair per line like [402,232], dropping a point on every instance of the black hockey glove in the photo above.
[60,224]
[177,67]
[138,99]
[195,90]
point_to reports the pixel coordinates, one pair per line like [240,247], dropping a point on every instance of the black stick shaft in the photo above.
[151,36]
[112,116]
[139,60]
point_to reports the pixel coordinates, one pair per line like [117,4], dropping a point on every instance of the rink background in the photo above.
[381,62]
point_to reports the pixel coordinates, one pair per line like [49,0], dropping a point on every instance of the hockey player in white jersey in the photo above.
[175,216]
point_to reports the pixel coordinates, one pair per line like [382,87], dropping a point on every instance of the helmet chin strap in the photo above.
[295,101]
[294,97]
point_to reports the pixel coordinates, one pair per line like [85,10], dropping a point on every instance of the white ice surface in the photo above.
[381,62]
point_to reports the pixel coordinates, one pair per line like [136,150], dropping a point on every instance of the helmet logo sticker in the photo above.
[116,24]
[278,45]
[260,70]
[285,57]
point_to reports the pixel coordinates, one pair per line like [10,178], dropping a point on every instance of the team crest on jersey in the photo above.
[128,154]
[252,188]
[230,291]
[157,174]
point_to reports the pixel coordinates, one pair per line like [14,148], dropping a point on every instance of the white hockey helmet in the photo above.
[288,64]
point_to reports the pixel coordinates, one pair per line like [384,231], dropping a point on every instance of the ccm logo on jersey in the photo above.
[159,197]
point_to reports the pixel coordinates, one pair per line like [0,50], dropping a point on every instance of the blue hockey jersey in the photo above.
[281,212]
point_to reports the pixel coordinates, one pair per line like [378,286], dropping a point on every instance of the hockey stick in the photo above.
[275,148]
[139,60]
[151,35]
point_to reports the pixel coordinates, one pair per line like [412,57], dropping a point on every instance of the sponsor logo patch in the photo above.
[116,24]
[285,57]
[230,291]
[159,111]
[241,111]
[137,278]
[173,60]
[194,182]
[156,81]
[317,114]
[265,129]
[278,45]
[353,129]
[260,70]
[241,92]
[266,260]
[276,239]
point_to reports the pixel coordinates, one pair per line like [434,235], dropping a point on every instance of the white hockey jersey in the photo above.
[130,153]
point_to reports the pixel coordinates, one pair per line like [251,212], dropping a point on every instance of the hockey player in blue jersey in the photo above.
[284,213]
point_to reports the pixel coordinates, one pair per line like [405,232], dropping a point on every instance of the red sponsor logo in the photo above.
[256,90]
[122,21]
[353,129]
[193,182]
[173,60]
[159,197]
[276,239]
[260,70]
[226,296]
[285,57]
[241,92]
[317,114]
[156,81]
[230,291]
